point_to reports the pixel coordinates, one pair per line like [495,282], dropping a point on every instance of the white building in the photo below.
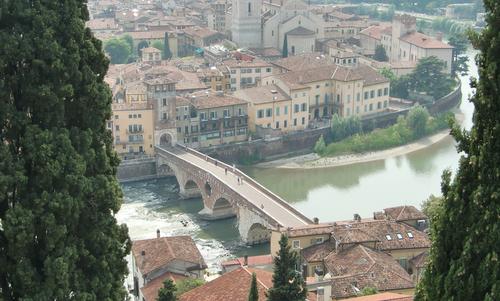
[246,23]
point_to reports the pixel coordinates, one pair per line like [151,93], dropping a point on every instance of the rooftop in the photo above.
[303,61]
[383,297]
[404,213]
[262,94]
[375,31]
[300,31]
[424,41]
[150,290]
[152,254]
[208,99]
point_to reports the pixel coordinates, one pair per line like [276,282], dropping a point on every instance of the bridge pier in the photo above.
[216,213]
[253,227]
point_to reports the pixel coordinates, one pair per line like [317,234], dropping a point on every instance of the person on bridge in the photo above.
[238,180]
[261,206]
[225,171]
[216,162]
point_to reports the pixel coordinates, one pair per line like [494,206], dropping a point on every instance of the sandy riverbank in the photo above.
[314,161]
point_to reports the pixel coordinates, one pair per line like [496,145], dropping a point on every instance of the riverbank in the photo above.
[311,161]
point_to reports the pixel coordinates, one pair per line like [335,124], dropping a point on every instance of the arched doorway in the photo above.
[166,140]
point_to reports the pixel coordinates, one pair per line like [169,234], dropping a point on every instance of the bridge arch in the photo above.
[222,203]
[208,189]
[190,190]
[258,233]
[166,140]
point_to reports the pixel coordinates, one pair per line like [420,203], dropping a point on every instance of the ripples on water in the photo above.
[155,204]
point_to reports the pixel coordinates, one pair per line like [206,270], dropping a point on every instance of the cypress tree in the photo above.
[167,292]
[285,47]
[59,239]
[464,257]
[253,295]
[167,54]
[288,283]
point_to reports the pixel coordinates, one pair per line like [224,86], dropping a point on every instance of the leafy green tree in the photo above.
[432,206]
[368,291]
[167,54]
[464,263]
[158,45]
[459,58]
[119,50]
[285,47]
[142,44]
[380,54]
[288,283]
[188,284]
[253,295]
[167,292]
[429,77]
[345,127]
[417,121]
[399,86]
[59,239]
[320,145]
[129,40]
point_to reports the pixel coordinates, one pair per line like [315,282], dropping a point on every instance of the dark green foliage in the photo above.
[285,47]
[253,295]
[58,191]
[288,283]
[464,257]
[399,134]
[432,206]
[345,127]
[158,45]
[429,77]
[380,54]
[188,284]
[460,58]
[167,54]
[119,50]
[142,44]
[130,41]
[167,292]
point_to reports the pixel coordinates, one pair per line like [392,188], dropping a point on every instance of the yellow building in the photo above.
[271,107]
[215,78]
[132,123]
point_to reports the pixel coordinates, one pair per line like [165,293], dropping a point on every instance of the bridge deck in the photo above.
[286,217]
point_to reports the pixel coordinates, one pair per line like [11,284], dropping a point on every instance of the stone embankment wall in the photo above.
[137,170]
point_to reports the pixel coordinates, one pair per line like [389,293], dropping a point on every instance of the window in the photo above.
[277,111]
[213,115]
[286,110]
[295,122]
[164,102]
[240,111]
[233,80]
[372,93]
[116,117]
[260,114]
[226,113]
[296,108]
[249,8]
[357,110]
[317,86]
[410,235]
[164,116]
[379,105]
[358,97]
[379,92]
[316,240]
[304,107]
[385,103]
[233,71]
[269,112]
[303,120]
[117,127]
[130,116]
[277,124]
[203,116]
[371,107]
[257,70]
[386,91]
[388,237]
[366,95]
[348,98]
[296,244]
[285,124]
[338,97]
[268,69]
[366,108]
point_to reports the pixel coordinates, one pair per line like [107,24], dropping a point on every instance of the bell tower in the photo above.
[246,28]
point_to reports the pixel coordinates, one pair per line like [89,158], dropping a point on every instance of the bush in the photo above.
[320,145]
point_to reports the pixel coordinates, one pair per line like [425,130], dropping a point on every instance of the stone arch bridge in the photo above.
[257,209]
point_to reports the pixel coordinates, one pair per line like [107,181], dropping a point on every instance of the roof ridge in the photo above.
[401,212]
[257,278]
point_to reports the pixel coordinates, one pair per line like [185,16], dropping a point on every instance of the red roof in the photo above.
[383,297]
[252,260]
[150,290]
[424,41]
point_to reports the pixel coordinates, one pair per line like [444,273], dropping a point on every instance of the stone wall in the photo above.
[136,170]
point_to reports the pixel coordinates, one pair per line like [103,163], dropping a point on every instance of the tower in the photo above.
[401,25]
[246,26]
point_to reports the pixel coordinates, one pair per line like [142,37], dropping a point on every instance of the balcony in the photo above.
[135,131]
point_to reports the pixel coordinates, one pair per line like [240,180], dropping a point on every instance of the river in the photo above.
[330,194]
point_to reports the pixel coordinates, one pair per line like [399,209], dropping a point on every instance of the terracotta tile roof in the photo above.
[162,251]
[150,290]
[313,229]
[150,50]
[208,99]
[201,32]
[318,252]
[383,297]
[303,61]
[424,41]
[420,260]
[385,232]
[358,267]
[233,286]
[375,31]
[259,260]
[300,31]
[246,63]
[146,35]
[262,94]
[404,213]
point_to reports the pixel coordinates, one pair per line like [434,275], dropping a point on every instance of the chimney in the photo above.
[157,233]
[357,217]
[316,220]
[245,260]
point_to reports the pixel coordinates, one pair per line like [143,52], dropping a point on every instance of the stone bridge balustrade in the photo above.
[223,197]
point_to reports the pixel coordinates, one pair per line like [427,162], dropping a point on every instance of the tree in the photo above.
[59,239]
[142,44]
[167,54]
[417,121]
[429,77]
[253,295]
[320,145]
[463,262]
[432,206]
[167,292]
[158,45]
[380,54]
[129,40]
[119,51]
[366,291]
[288,283]
[285,47]
[459,56]
[188,284]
